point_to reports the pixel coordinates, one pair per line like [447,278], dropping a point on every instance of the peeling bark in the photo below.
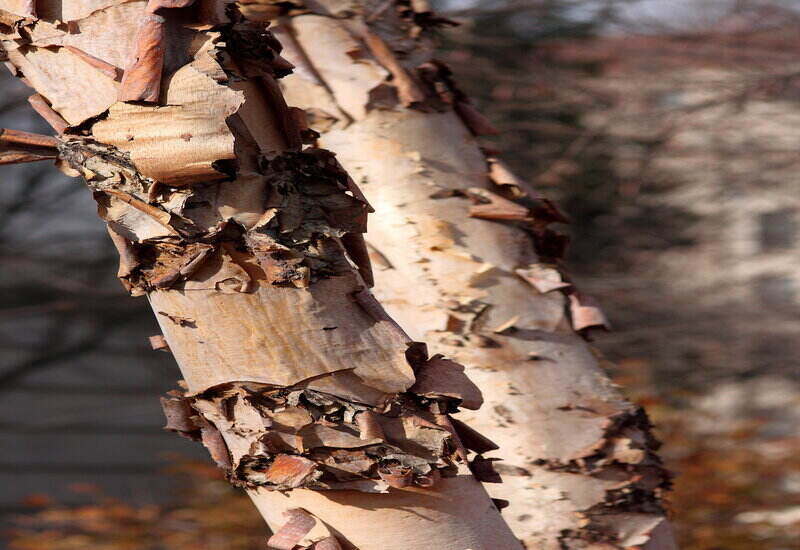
[282,439]
[42,107]
[17,147]
[464,255]
[249,248]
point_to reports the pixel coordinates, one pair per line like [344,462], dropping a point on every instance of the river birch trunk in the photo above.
[463,255]
[249,248]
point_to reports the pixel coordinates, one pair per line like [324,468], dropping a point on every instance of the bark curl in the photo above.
[285,438]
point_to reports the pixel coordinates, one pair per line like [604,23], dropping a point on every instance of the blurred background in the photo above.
[669,132]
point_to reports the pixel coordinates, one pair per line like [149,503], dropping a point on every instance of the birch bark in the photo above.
[464,255]
[249,248]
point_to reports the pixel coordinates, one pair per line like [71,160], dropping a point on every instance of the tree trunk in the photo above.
[464,257]
[250,251]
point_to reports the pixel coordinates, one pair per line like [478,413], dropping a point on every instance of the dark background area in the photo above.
[78,381]
[667,130]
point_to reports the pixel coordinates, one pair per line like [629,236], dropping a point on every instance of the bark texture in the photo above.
[464,255]
[249,248]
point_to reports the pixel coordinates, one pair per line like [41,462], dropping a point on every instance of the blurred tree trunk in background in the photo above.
[464,255]
[249,249]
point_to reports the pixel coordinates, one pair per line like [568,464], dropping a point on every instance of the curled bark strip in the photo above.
[16,139]
[328,543]
[503,177]
[213,441]
[158,343]
[586,313]
[199,141]
[153,192]
[107,69]
[282,66]
[495,207]
[127,255]
[472,439]
[194,262]
[356,191]
[13,157]
[537,214]
[290,472]
[543,278]
[369,426]
[157,214]
[440,77]
[291,131]
[166,280]
[298,524]
[179,415]
[397,476]
[356,248]
[416,354]
[429,480]
[443,420]
[20,147]
[142,78]
[478,124]
[483,470]
[501,504]
[186,267]
[299,118]
[408,90]
[440,378]
[43,108]
[178,320]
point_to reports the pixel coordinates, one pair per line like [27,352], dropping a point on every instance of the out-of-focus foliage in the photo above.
[737,483]
[210,515]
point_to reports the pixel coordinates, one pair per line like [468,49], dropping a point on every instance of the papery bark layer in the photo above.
[247,244]
[464,254]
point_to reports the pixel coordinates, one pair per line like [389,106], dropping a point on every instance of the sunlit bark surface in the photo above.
[248,245]
[464,256]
